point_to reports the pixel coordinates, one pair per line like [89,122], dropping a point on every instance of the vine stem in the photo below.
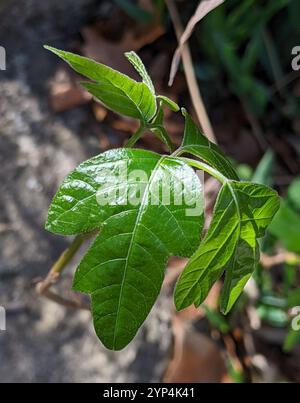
[43,287]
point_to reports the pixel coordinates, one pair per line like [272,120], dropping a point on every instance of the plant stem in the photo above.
[163,136]
[61,262]
[204,167]
[68,254]
[135,137]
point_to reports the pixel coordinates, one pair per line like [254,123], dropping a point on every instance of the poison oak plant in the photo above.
[148,207]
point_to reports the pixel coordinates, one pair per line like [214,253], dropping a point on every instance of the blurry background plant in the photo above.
[241,55]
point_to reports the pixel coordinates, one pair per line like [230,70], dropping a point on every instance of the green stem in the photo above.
[163,136]
[203,167]
[135,137]
[70,252]
[56,270]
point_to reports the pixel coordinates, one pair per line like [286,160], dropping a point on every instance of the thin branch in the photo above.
[255,126]
[43,287]
[60,264]
[190,75]
[274,61]
[52,296]
[135,137]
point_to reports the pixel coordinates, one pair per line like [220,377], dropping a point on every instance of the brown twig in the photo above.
[190,75]
[179,330]
[52,296]
[204,7]
[284,81]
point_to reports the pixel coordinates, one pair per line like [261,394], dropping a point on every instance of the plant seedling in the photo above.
[146,207]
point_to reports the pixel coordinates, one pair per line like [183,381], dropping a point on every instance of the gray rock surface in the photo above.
[45,342]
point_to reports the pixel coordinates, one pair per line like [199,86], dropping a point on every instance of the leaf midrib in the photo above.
[216,154]
[130,82]
[141,211]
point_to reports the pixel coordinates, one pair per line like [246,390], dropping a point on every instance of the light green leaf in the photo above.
[115,90]
[124,268]
[141,69]
[196,144]
[169,103]
[242,212]
[263,171]
[286,227]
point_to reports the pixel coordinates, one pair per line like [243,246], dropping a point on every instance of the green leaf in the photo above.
[168,102]
[196,144]
[263,170]
[124,268]
[291,340]
[294,193]
[134,11]
[273,315]
[286,227]
[239,270]
[294,298]
[242,212]
[141,69]
[115,90]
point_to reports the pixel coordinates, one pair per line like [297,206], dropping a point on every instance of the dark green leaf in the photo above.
[124,268]
[133,10]
[294,193]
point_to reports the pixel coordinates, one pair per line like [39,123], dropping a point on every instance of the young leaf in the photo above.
[242,212]
[115,90]
[141,69]
[168,102]
[124,268]
[195,143]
